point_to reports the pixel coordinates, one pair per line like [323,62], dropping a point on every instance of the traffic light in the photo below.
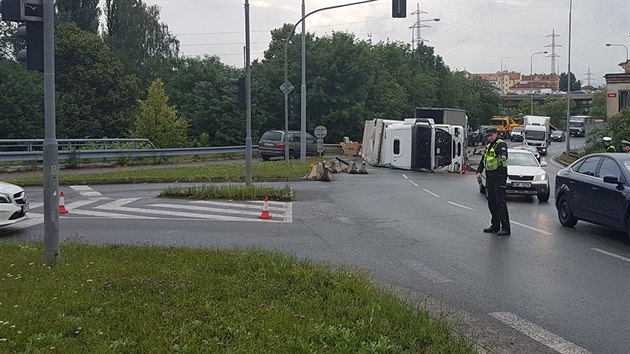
[399,8]
[32,31]
[238,92]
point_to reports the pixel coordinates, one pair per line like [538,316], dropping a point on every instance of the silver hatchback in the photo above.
[272,144]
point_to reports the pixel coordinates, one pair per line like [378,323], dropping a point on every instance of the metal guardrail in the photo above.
[70,144]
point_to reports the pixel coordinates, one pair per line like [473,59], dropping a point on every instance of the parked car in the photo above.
[558,135]
[272,144]
[13,204]
[526,176]
[475,137]
[516,134]
[595,189]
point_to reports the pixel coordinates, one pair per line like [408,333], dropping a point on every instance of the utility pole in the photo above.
[416,27]
[588,77]
[248,103]
[553,54]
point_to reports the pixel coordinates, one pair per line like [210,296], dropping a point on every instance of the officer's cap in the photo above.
[491,130]
[625,142]
[607,139]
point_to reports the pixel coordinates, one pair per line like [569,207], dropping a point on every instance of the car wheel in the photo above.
[543,197]
[265,157]
[565,214]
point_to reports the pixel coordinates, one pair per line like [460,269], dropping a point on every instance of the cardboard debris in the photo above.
[322,171]
[350,148]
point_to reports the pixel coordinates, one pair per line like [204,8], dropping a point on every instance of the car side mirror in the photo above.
[543,163]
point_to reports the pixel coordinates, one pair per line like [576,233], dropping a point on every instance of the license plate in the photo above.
[24,208]
[521,184]
[269,144]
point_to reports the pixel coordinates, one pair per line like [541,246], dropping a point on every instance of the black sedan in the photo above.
[558,135]
[595,189]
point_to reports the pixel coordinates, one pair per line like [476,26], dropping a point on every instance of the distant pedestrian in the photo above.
[625,146]
[608,144]
[494,162]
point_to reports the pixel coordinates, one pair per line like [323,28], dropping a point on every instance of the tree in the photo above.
[96,98]
[600,100]
[135,32]
[158,121]
[84,13]
[21,102]
[575,85]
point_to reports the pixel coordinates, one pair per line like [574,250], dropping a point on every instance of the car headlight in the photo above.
[540,177]
[5,198]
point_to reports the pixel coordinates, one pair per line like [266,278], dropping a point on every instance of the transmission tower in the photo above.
[588,77]
[553,54]
[416,37]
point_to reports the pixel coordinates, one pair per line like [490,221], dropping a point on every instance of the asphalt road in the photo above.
[546,288]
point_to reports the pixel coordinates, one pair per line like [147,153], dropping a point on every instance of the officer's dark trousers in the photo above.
[496,203]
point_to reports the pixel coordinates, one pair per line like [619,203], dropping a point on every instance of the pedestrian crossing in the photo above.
[98,206]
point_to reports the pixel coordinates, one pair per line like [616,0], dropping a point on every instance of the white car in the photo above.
[526,175]
[13,204]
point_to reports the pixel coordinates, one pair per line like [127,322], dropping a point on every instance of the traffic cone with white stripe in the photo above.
[265,213]
[62,205]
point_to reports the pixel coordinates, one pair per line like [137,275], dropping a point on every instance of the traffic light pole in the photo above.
[51,158]
[248,95]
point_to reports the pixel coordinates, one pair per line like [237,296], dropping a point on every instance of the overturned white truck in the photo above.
[414,144]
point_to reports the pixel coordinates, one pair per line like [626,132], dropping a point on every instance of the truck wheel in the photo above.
[565,214]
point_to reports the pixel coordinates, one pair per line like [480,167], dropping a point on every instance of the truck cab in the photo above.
[537,133]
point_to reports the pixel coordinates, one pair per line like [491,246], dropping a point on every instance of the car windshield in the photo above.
[522,159]
[576,124]
[273,136]
[557,132]
[534,135]
[517,130]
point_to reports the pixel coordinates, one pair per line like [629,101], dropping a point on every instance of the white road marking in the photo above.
[117,203]
[206,209]
[414,183]
[531,228]
[238,205]
[103,214]
[32,206]
[405,176]
[426,272]
[539,334]
[86,191]
[288,213]
[611,254]
[461,206]
[78,204]
[114,207]
[428,191]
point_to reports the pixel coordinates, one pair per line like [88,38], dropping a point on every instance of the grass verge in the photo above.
[236,192]
[235,172]
[134,299]
[567,159]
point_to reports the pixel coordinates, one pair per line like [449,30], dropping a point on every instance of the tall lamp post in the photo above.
[618,45]
[568,127]
[286,79]
[531,80]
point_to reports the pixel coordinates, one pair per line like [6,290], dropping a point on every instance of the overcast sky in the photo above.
[471,34]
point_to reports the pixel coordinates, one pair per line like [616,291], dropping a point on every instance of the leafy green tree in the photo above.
[575,84]
[158,121]
[96,98]
[84,13]
[600,101]
[21,102]
[135,32]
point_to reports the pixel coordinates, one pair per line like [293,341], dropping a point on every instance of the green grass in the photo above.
[222,172]
[132,299]
[236,192]
[567,159]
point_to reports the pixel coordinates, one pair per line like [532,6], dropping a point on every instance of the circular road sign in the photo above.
[320,131]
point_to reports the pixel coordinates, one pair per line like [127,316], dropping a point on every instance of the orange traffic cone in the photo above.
[62,205]
[265,213]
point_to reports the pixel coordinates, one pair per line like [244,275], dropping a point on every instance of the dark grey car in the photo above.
[272,144]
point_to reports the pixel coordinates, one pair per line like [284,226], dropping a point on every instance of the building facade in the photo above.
[618,90]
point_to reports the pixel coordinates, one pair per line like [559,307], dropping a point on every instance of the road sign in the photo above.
[286,86]
[320,131]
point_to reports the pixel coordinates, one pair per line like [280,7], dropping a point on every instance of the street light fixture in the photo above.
[618,45]
[531,79]
[303,91]
[418,25]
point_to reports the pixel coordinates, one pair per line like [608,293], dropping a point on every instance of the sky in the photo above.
[474,35]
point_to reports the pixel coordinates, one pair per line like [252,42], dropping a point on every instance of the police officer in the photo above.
[608,144]
[494,162]
[625,146]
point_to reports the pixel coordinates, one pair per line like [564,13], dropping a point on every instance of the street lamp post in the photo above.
[618,45]
[531,80]
[568,127]
[286,79]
